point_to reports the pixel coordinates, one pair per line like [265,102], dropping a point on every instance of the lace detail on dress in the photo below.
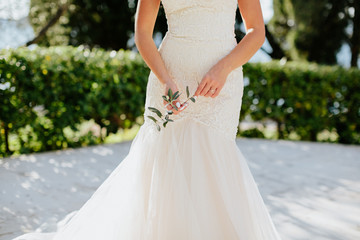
[188,181]
[220,113]
[198,36]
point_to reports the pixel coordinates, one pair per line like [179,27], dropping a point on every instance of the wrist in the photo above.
[167,81]
[226,66]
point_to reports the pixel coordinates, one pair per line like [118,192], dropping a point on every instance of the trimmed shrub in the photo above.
[45,91]
[305,98]
[50,89]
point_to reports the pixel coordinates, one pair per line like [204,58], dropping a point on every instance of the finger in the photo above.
[200,87]
[183,106]
[205,89]
[216,93]
[167,105]
[209,93]
[178,105]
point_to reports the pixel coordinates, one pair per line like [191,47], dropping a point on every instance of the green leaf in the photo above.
[158,127]
[170,112]
[165,98]
[174,106]
[152,118]
[176,95]
[170,94]
[187,92]
[164,124]
[192,99]
[170,120]
[155,111]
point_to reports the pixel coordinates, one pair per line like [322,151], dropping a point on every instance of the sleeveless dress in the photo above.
[188,181]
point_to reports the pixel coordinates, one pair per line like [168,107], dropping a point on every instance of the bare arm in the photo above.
[255,36]
[145,18]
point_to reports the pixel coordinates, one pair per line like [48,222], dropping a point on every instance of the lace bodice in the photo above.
[200,20]
[199,34]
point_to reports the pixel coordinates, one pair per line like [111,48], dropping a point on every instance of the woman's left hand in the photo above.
[213,81]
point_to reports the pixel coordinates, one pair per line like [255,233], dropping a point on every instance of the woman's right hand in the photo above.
[172,85]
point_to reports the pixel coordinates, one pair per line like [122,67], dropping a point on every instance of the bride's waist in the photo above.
[201,37]
[187,53]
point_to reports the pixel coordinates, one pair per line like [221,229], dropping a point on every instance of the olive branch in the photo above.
[169,98]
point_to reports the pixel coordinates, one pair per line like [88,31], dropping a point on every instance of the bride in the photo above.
[187,180]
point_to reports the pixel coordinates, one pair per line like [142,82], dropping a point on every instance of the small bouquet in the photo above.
[170,98]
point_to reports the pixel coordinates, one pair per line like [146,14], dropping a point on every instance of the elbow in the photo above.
[137,38]
[258,34]
[262,35]
[140,36]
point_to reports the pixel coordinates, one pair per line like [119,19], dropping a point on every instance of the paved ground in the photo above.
[311,189]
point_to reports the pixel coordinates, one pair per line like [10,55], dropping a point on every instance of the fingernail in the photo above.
[182,107]
[178,104]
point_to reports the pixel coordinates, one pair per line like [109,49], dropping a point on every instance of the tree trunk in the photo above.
[277,52]
[280,130]
[355,38]
[7,148]
[62,9]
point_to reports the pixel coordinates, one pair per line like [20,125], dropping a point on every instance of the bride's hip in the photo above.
[230,94]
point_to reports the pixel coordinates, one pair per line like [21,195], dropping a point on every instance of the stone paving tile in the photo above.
[312,190]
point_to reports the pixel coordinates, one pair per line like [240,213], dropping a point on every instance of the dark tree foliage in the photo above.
[353,13]
[105,23]
[311,30]
[321,31]
[41,13]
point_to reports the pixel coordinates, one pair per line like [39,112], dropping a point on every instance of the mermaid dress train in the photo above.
[188,181]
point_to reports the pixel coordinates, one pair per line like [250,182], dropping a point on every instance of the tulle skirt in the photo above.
[187,182]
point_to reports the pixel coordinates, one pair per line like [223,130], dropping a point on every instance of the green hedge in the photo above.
[47,90]
[50,89]
[304,98]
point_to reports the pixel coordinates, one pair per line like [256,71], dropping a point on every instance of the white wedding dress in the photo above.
[188,181]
